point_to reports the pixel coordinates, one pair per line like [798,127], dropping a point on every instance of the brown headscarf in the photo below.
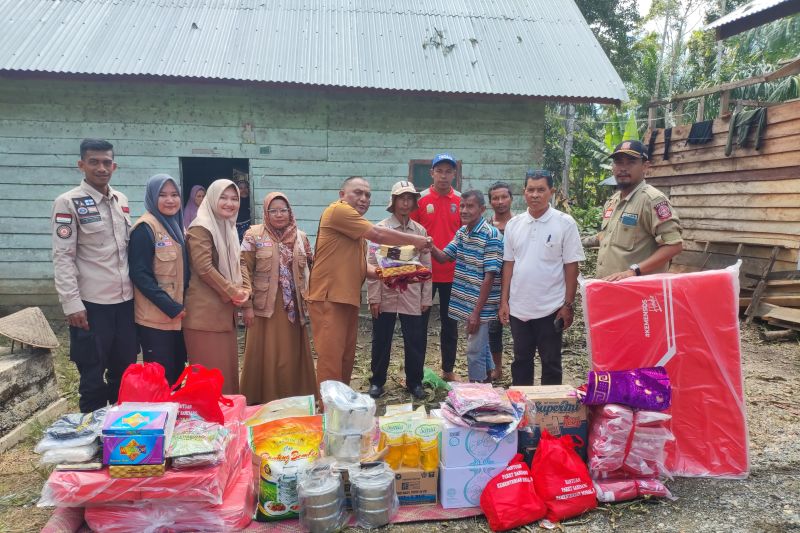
[287,235]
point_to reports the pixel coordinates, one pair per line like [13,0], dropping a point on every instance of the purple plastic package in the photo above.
[640,388]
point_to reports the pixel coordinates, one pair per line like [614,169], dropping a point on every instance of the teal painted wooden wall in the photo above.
[316,138]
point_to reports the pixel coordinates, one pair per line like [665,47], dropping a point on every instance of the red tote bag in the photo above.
[200,394]
[509,499]
[561,478]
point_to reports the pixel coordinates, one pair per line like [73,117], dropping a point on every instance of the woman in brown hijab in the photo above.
[215,288]
[275,261]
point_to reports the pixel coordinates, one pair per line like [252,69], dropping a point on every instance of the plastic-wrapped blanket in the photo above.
[84,488]
[158,516]
[626,443]
[689,324]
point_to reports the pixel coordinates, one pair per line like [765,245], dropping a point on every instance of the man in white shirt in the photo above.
[542,248]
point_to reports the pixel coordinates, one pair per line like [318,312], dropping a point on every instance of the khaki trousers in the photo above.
[334,327]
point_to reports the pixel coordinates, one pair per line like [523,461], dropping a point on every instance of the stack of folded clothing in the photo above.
[73,441]
[481,406]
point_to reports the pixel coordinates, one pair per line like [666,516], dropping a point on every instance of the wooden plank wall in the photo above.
[751,197]
[315,139]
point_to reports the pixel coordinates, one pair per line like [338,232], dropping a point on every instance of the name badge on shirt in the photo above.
[629,219]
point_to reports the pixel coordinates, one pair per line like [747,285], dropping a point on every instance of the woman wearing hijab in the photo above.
[196,196]
[215,287]
[275,262]
[160,273]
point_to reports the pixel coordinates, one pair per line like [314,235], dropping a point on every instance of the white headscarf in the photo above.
[223,231]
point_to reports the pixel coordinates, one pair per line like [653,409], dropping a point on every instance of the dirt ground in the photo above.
[767,501]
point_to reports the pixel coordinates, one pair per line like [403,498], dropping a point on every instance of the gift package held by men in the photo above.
[689,325]
[399,265]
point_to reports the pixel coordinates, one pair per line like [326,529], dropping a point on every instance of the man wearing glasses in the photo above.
[438,212]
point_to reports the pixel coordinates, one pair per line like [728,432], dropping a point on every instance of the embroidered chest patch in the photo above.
[86,209]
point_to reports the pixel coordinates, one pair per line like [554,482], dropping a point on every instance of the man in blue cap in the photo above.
[438,212]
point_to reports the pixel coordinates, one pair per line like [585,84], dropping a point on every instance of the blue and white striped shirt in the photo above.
[476,253]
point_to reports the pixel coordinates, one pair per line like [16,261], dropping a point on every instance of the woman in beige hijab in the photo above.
[215,287]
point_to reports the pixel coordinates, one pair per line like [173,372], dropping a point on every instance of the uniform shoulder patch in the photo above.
[663,210]
[63,218]
[63,231]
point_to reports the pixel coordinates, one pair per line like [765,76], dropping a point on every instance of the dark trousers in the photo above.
[103,352]
[530,336]
[414,335]
[449,334]
[496,336]
[165,347]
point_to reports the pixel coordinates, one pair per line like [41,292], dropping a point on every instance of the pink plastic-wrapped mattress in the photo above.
[689,324]
[76,488]
[159,516]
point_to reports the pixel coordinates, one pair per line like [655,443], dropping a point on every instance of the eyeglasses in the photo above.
[283,211]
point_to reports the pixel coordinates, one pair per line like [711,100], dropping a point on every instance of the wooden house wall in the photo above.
[751,197]
[306,143]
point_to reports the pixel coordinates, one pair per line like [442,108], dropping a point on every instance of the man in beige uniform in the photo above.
[641,232]
[410,304]
[340,267]
[90,258]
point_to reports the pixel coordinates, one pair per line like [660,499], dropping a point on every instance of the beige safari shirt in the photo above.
[90,247]
[634,227]
[410,301]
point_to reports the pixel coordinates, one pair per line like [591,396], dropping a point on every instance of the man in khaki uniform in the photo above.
[641,232]
[91,224]
[339,271]
[386,304]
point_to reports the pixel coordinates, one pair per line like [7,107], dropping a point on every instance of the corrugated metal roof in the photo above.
[747,10]
[537,48]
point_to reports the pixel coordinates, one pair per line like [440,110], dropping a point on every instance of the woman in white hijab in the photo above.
[215,288]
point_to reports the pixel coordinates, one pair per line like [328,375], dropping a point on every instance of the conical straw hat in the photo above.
[30,327]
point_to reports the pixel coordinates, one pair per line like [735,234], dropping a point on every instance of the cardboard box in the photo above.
[133,449]
[460,446]
[462,486]
[415,486]
[558,411]
[121,421]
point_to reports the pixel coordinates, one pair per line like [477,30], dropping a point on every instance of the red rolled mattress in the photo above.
[689,324]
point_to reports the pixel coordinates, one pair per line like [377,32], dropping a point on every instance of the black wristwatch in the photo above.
[636,269]
[568,305]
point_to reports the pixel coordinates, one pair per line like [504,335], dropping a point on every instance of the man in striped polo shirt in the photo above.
[477,250]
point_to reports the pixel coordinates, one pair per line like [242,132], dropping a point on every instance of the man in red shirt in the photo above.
[438,212]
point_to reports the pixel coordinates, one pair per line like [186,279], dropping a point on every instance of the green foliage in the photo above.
[635,53]
[588,218]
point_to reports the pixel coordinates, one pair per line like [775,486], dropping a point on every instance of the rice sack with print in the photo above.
[287,447]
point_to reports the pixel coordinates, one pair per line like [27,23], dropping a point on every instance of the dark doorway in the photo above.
[203,170]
